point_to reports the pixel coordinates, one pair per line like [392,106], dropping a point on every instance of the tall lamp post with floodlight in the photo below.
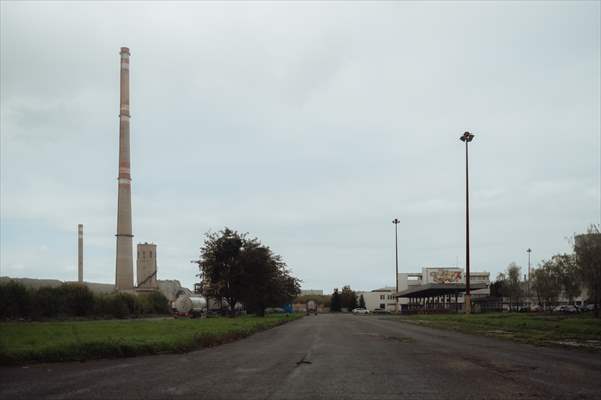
[396,253]
[528,287]
[466,138]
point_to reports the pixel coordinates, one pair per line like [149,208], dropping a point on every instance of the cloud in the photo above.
[309,125]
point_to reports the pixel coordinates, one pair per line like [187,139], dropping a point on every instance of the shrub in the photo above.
[47,302]
[78,300]
[154,303]
[75,300]
[15,300]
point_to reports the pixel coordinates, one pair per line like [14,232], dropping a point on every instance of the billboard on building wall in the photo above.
[444,275]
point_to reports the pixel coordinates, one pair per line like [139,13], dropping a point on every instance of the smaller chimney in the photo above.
[80,253]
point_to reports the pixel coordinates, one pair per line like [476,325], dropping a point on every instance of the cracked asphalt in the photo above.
[327,357]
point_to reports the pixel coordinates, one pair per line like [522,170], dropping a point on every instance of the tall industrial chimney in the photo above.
[124,277]
[80,253]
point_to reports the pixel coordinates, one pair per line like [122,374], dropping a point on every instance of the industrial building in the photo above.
[430,282]
[440,288]
[147,267]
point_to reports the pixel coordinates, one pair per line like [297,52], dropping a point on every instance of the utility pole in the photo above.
[197,286]
[396,252]
[467,137]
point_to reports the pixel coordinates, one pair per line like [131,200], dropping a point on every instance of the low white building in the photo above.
[382,299]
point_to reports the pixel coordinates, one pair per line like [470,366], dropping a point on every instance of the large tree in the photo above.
[546,283]
[361,301]
[241,270]
[509,284]
[348,298]
[588,263]
[335,302]
[568,275]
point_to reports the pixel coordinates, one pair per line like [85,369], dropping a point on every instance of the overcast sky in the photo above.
[309,125]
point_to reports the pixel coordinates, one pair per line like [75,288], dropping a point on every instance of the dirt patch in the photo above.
[401,339]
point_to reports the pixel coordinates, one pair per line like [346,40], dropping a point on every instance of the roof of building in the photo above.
[438,289]
[385,289]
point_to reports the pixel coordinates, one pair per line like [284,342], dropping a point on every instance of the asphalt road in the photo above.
[327,357]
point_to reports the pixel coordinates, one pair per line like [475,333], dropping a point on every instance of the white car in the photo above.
[565,309]
[360,311]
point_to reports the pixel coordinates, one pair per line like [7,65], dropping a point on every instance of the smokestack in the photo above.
[80,253]
[124,277]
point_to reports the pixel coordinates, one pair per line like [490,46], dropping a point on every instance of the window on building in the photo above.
[382,297]
[382,305]
[150,254]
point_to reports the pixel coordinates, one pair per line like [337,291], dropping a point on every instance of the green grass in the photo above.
[22,342]
[542,329]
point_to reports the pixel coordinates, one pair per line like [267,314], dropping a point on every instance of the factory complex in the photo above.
[146,265]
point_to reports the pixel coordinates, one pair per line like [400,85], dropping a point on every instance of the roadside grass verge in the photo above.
[25,342]
[582,330]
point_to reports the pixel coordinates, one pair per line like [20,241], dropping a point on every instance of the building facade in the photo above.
[442,275]
[379,299]
[311,292]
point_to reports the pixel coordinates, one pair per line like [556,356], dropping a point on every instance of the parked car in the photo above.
[589,307]
[536,308]
[360,310]
[565,309]
[380,311]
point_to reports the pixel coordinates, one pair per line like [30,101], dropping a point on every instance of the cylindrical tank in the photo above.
[194,305]
[311,307]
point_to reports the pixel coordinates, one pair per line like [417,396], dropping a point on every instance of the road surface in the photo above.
[327,357]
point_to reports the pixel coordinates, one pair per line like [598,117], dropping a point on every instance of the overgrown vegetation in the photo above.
[72,300]
[81,340]
[581,329]
[560,279]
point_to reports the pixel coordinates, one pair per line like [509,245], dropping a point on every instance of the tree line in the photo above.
[73,300]
[241,270]
[346,298]
[563,274]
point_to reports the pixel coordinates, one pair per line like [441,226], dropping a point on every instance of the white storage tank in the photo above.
[190,305]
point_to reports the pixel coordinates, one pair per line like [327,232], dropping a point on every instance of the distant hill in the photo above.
[169,288]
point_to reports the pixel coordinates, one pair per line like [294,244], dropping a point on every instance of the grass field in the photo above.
[22,342]
[569,330]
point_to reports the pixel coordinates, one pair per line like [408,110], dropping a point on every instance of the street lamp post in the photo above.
[528,287]
[200,275]
[396,252]
[467,137]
